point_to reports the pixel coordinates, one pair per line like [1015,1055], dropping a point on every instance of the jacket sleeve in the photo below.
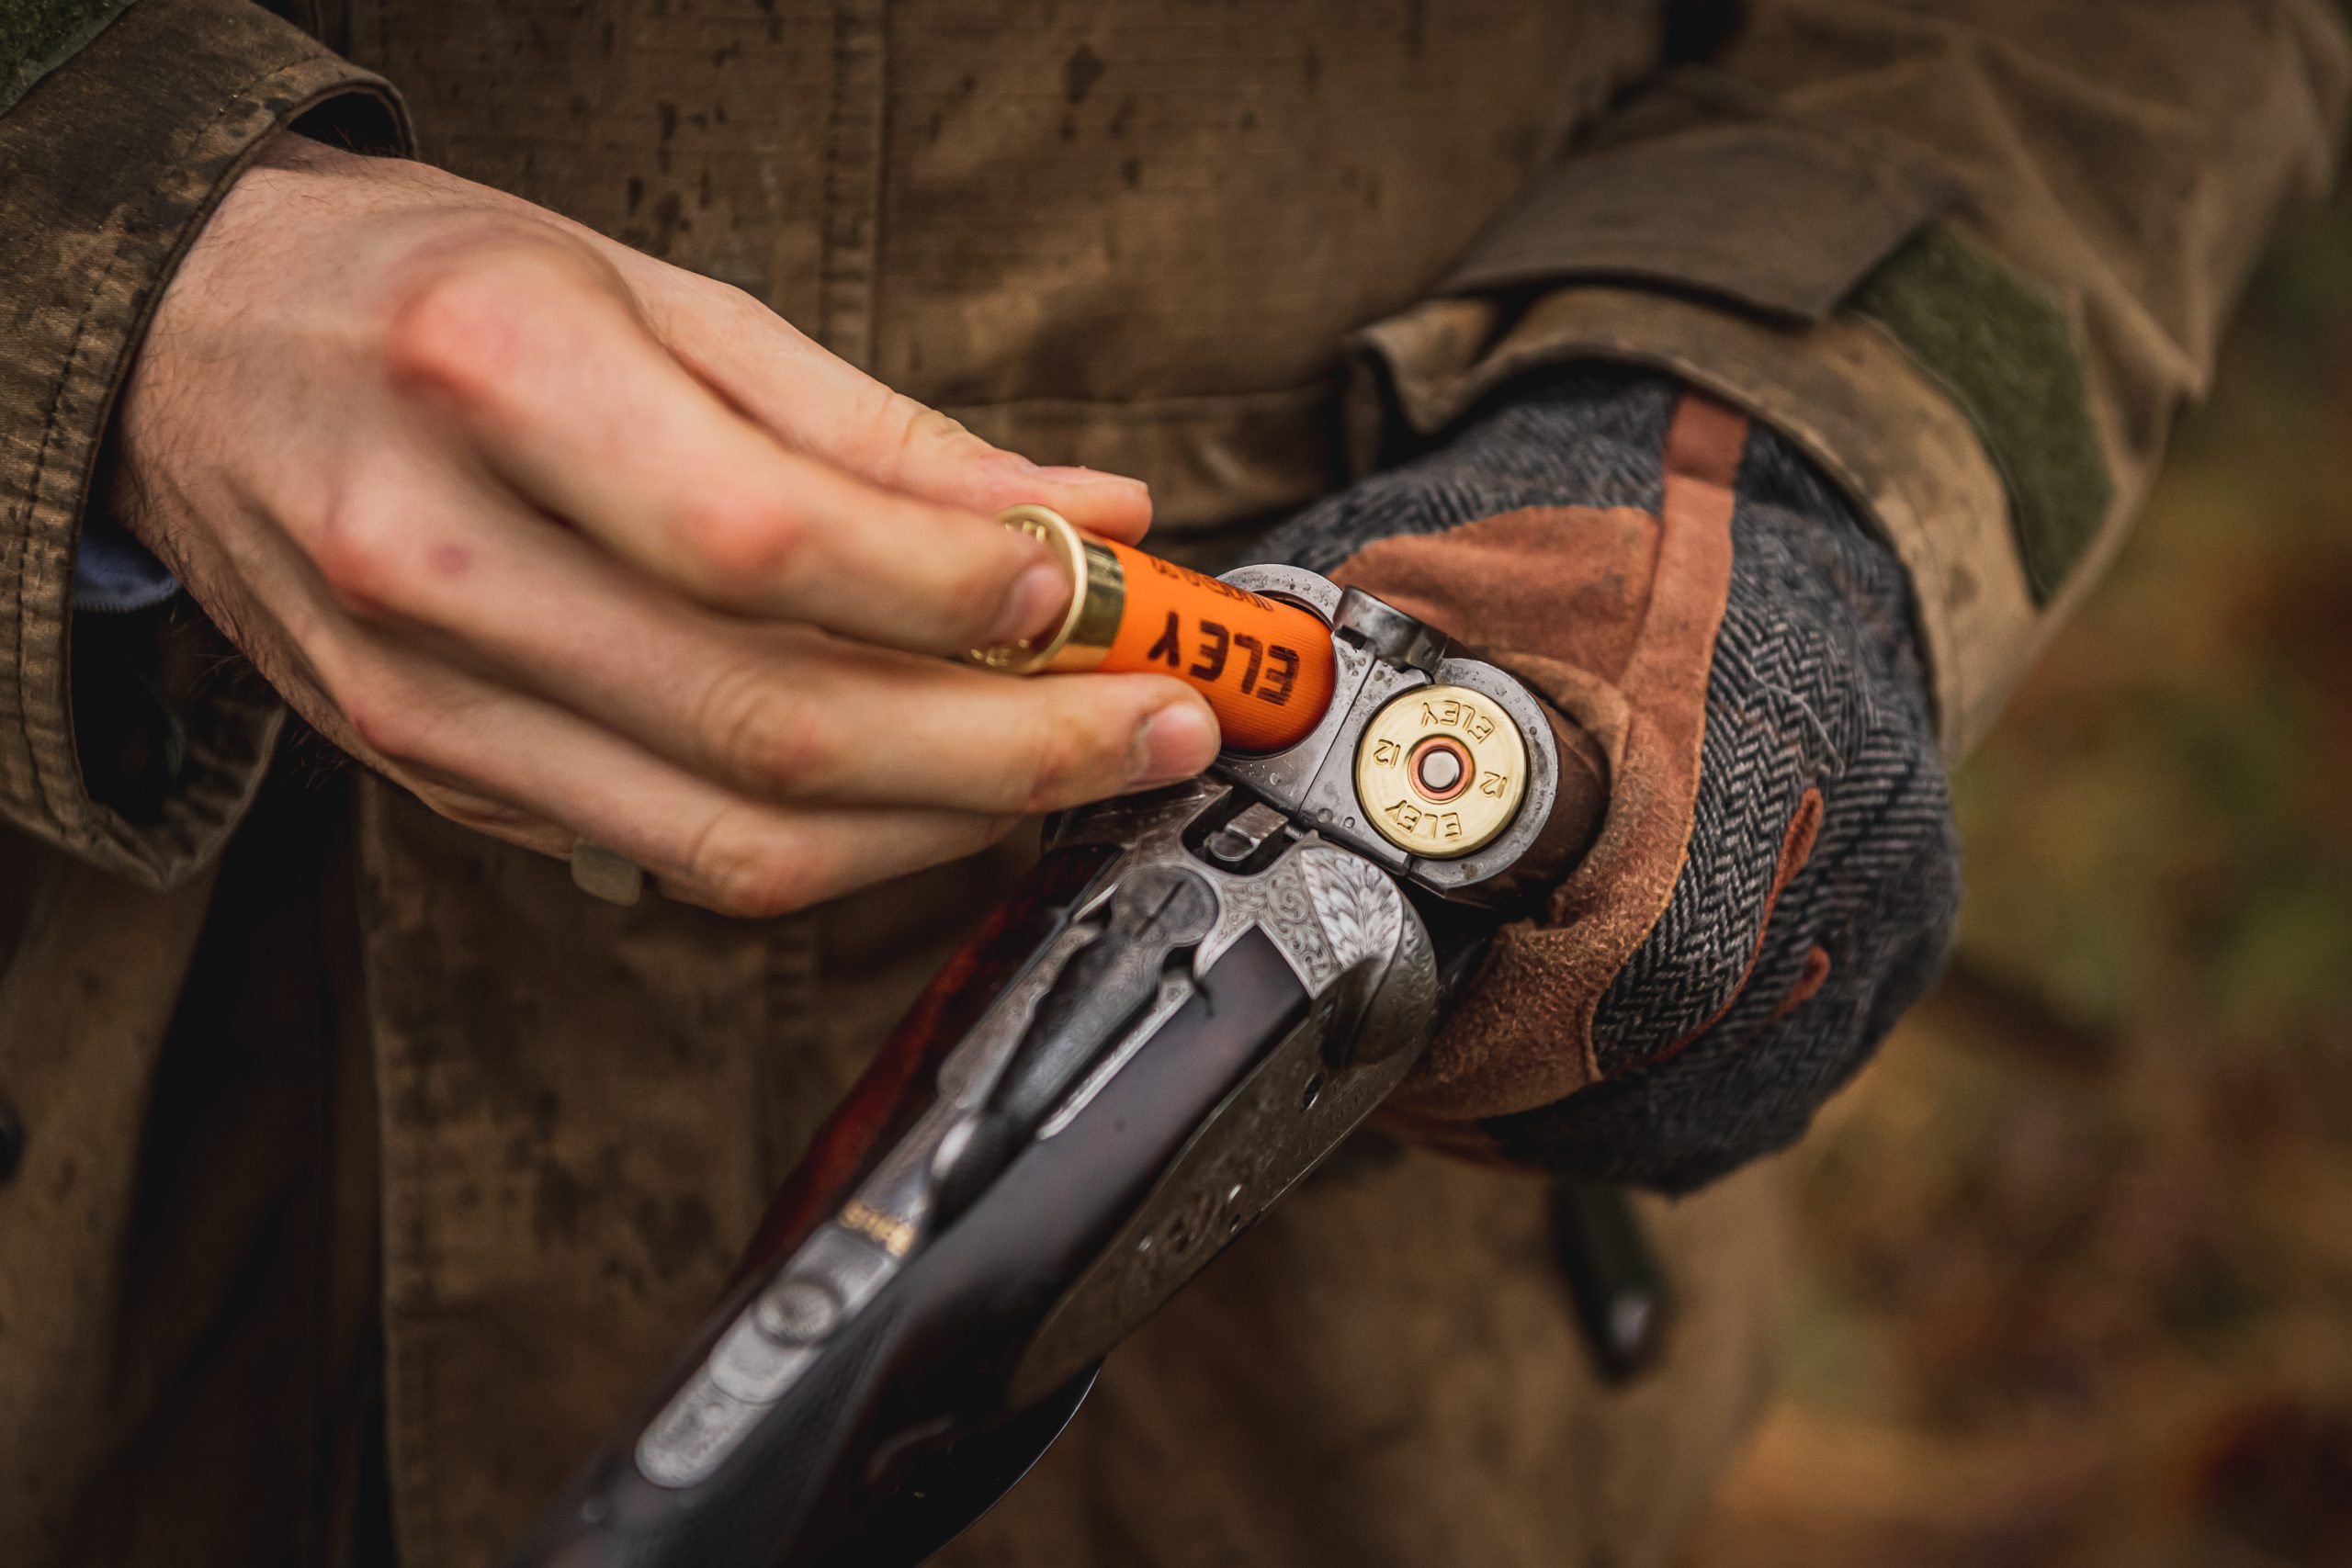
[120,127]
[1973,257]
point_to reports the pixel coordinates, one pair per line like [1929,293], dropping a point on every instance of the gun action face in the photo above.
[1440,772]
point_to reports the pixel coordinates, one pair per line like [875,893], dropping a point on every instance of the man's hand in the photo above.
[572,543]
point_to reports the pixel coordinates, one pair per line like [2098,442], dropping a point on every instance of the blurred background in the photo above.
[2073,1280]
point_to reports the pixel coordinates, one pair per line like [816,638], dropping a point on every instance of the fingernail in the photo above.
[1174,743]
[1031,605]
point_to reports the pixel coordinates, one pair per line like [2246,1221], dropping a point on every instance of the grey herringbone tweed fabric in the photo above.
[1816,684]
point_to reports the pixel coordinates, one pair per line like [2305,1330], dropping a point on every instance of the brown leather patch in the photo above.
[1816,975]
[1612,616]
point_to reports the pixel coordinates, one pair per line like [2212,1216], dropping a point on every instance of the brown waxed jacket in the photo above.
[366,1167]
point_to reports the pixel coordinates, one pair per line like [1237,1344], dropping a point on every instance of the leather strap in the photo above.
[1612,616]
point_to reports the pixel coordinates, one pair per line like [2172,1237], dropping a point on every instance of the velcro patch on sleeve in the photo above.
[2004,351]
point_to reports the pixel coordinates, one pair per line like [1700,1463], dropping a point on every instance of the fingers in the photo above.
[826,407]
[778,713]
[570,398]
[759,866]
[534,775]
[958,737]
[528,771]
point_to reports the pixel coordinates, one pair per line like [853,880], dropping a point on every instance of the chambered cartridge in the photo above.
[1264,666]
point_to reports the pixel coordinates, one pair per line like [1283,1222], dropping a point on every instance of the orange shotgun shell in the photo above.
[1264,666]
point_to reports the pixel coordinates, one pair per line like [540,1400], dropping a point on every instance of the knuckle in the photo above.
[760,728]
[1070,755]
[924,428]
[734,537]
[366,557]
[892,431]
[752,878]
[384,714]
[454,326]
[460,319]
[741,309]
[483,814]
[1044,772]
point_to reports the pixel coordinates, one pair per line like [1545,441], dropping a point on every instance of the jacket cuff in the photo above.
[1705,185]
[122,152]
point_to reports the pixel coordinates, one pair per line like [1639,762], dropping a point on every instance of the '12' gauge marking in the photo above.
[1389,754]
[1268,675]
